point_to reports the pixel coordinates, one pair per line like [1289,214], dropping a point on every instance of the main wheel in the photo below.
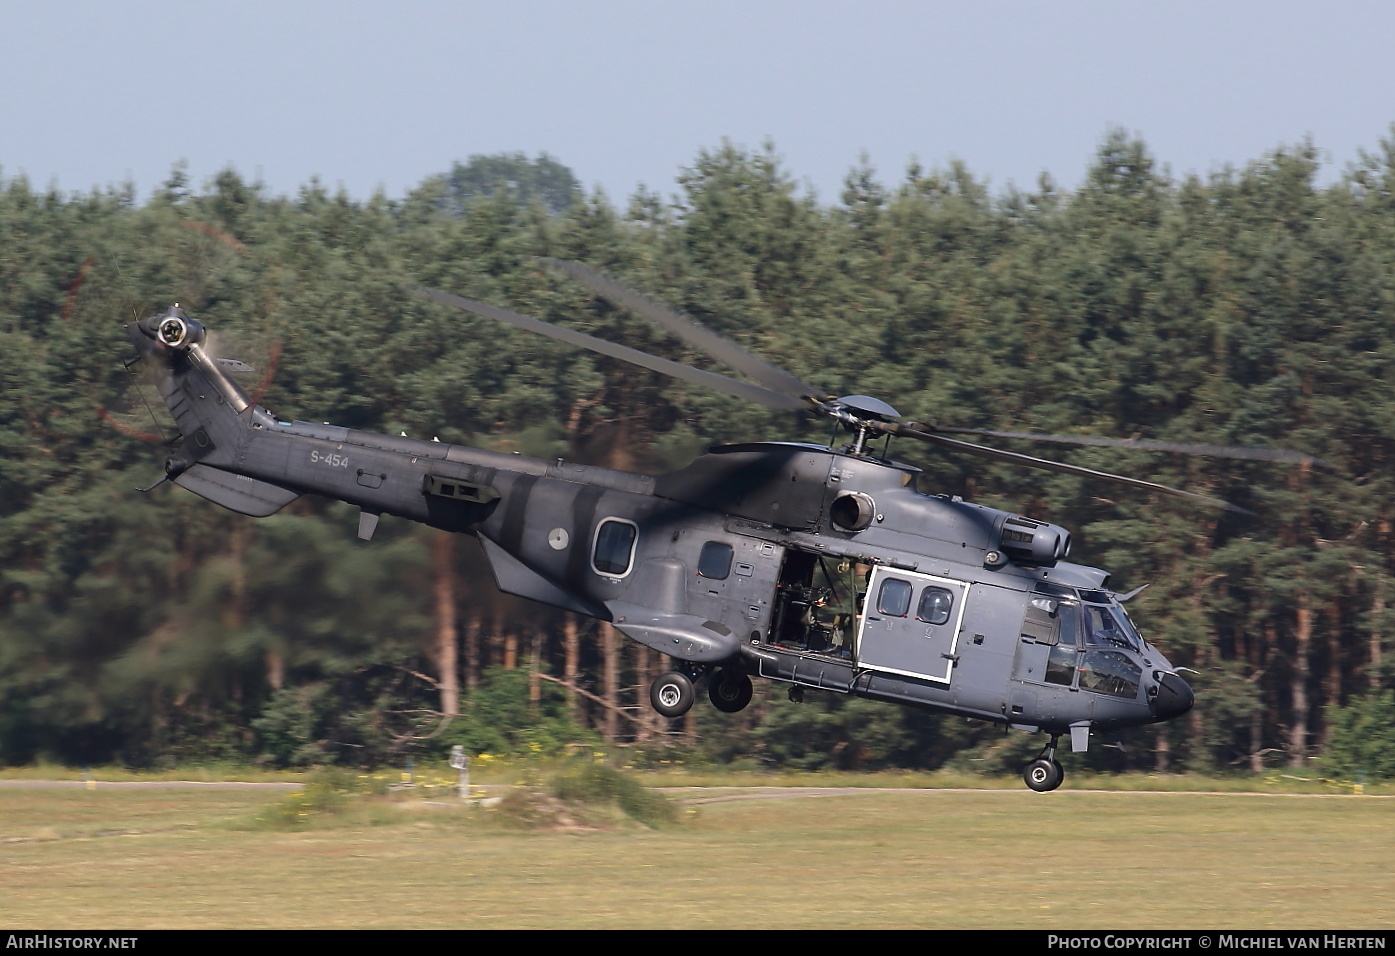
[730,690]
[671,694]
[1043,775]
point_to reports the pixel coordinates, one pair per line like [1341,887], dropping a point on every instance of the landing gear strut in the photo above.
[1044,774]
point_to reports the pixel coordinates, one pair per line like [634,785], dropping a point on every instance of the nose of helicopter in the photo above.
[1174,696]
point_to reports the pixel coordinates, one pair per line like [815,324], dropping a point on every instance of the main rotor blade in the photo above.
[687,373]
[997,454]
[683,328]
[1144,444]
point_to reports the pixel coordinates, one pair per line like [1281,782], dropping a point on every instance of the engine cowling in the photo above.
[1031,542]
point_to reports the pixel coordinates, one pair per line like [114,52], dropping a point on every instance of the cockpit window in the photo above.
[1128,623]
[1110,672]
[1060,665]
[1069,614]
[1107,627]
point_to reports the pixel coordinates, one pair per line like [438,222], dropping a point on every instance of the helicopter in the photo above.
[819,567]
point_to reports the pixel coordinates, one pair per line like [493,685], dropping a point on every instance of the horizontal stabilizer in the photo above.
[246,496]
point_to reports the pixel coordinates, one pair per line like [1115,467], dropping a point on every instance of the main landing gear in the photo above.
[672,694]
[1044,774]
[730,690]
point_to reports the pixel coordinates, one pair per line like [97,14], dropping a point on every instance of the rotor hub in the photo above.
[865,416]
[867,407]
[173,329]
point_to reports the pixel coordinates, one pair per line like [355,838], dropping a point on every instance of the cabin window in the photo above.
[894,598]
[934,605]
[614,550]
[715,561]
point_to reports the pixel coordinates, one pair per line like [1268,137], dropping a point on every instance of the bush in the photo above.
[1361,738]
[598,783]
[834,732]
[326,792]
[288,727]
[498,718]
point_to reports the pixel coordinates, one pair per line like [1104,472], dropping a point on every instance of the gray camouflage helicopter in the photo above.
[819,567]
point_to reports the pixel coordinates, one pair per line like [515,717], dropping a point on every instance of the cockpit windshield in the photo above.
[1105,623]
[1107,663]
[1108,626]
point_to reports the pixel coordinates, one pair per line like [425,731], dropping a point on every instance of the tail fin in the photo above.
[214,416]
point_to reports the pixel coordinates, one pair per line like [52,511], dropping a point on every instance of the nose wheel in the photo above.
[1044,774]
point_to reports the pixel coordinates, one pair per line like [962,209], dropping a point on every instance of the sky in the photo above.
[373,96]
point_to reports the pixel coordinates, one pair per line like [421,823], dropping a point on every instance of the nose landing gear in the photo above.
[1044,774]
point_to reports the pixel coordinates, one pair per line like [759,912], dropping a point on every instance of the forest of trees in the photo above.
[1250,307]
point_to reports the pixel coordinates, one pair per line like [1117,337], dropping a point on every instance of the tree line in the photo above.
[1252,306]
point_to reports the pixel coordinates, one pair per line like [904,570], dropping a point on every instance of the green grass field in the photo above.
[135,859]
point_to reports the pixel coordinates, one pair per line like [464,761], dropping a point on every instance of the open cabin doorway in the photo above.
[818,603]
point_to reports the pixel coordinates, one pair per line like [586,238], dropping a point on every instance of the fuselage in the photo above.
[1033,645]
[795,562]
